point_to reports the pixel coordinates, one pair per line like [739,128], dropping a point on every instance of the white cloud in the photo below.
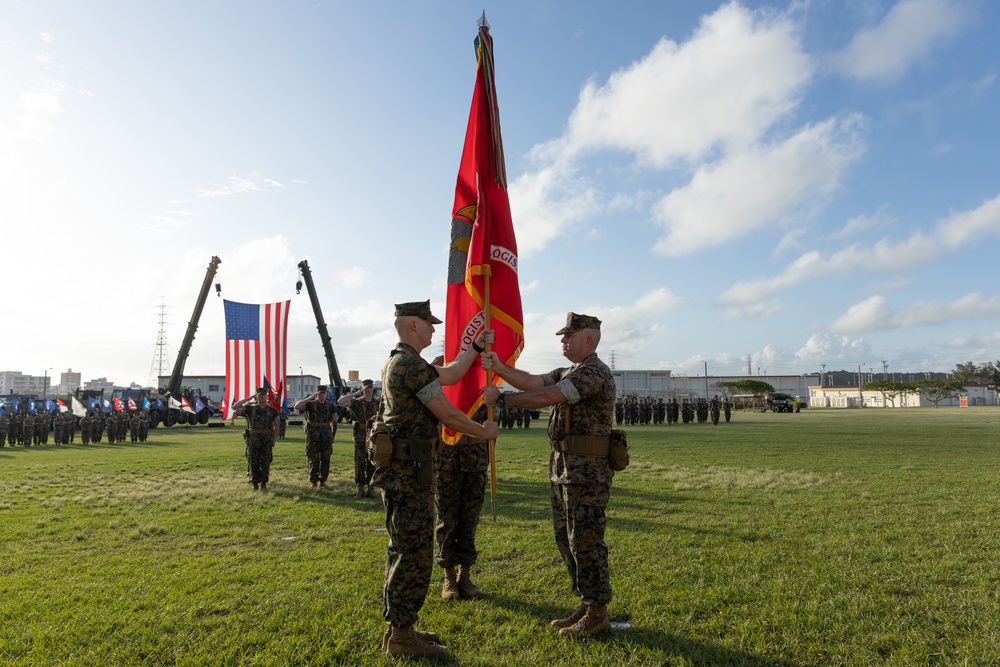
[911,30]
[874,313]
[865,224]
[720,92]
[738,74]
[545,202]
[48,37]
[754,310]
[824,348]
[238,185]
[352,277]
[951,233]
[752,188]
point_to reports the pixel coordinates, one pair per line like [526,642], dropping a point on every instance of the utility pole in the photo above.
[861,395]
[822,376]
[749,367]
[706,379]
[885,369]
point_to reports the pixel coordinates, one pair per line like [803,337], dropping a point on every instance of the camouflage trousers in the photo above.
[578,522]
[363,468]
[460,474]
[259,455]
[319,448]
[409,520]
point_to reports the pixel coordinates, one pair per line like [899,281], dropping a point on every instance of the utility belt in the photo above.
[421,453]
[318,425]
[415,449]
[469,440]
[584,445]
[260,431]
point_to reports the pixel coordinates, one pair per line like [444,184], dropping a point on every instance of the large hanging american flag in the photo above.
[256,347]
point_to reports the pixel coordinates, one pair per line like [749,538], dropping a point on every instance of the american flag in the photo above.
[256,347]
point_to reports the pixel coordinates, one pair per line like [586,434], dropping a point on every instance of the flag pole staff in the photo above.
[492,444]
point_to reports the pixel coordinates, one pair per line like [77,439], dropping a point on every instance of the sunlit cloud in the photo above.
[875,314]
[908,32]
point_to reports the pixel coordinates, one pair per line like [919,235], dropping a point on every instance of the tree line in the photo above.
[936,390]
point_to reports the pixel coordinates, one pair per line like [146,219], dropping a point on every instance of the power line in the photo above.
[159,365]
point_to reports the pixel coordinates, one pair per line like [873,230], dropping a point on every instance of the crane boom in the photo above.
[174,385]
[331,361]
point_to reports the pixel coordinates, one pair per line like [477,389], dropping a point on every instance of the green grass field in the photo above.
[823,538]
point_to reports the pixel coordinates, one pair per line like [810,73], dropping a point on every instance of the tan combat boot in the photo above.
[594,620]
[431,637]
[360,492]
[449,589]
[570,620]
[465,585]
[407,642]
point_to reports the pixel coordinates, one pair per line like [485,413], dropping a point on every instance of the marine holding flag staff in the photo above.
[580,473]
[413,404]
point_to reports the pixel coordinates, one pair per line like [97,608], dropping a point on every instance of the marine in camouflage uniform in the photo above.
[413,404]
[321,427]
[4,428]
[364,406]
[580,474]
[86,428]
[460,474]
[262,428]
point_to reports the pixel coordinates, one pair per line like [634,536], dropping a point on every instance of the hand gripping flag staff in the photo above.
[482,259]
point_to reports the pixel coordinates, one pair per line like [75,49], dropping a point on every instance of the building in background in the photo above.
[213,386]
[70,381]
[664,384]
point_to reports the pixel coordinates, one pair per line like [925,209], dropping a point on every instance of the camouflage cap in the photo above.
[367,383]
[576,322]
[321,388]
[421,309]
[261,390]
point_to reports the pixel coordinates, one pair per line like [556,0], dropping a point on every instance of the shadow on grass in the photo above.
[670,645]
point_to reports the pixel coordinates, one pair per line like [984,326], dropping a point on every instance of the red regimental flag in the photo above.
[483,246]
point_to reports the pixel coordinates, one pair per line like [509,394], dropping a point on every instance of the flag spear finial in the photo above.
[482,22]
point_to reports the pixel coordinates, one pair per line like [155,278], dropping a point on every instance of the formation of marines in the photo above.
[510,417]
[642,411]
[31,430]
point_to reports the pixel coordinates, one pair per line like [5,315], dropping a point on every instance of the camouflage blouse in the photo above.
[590,391]
[322,413]
[260,417]
[363,411]
[408,384]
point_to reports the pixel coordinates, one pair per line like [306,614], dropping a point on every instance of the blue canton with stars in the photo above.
[242,321]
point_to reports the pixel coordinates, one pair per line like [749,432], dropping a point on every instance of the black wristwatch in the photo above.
[477,348]
[499,403]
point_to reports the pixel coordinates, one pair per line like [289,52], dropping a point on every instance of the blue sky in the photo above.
[798,183]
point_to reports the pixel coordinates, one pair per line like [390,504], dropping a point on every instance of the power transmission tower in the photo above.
[159,365]
[612,360]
